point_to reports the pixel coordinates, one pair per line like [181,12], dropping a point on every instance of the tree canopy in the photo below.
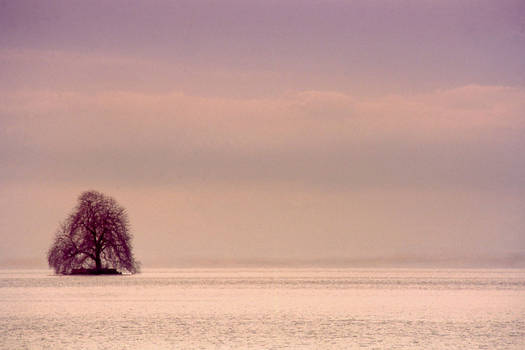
[95,237]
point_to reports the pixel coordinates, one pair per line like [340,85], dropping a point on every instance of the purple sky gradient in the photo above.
[267,129]
[358,46]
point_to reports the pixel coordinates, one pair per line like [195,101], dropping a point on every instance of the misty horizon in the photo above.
[510,260]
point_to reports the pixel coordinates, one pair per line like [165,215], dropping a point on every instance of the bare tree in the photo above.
[94,238]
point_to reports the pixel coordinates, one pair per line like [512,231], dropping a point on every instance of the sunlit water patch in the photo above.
[265,309]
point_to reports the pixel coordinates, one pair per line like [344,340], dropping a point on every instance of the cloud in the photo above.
[316,136]
[472,107]
[27,69]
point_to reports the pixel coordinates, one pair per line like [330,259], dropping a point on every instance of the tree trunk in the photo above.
[98,263]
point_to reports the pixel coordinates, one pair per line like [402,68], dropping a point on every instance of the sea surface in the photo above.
[265,309]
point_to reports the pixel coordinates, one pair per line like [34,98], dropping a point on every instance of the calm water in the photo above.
[265,309]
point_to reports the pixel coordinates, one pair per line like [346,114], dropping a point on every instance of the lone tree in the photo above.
[94,239]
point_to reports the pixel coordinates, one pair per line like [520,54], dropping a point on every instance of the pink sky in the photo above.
[267,129]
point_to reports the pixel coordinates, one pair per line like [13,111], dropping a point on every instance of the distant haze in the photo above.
[268,132]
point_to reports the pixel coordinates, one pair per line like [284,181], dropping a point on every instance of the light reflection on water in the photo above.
[265,309]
